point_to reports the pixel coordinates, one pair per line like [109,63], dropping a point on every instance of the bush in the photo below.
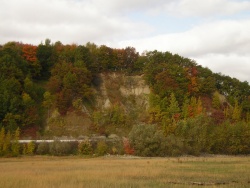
[195,134]
[43,148]
[232,138]
[127,147]
[15,145]
[15,148]
[58,148]
[85,148]
[147,141]
[30,148]
[116,147]
[101,148]
[175,146]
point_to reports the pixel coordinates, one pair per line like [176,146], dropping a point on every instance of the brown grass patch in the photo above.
[42,172]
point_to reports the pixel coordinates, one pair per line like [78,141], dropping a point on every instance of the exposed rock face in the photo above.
[134,85]
[115,87]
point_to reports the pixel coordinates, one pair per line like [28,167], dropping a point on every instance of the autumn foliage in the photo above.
[37,80]
[127,147]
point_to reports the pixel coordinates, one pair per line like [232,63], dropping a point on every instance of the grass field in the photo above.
[48,172]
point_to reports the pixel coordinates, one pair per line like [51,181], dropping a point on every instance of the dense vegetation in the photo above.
[191,109]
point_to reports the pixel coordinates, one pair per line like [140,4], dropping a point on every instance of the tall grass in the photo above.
[77,172]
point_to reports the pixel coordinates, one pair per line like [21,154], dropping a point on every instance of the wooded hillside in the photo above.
[194,109]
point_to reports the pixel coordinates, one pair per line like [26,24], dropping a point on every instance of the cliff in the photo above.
[119,101]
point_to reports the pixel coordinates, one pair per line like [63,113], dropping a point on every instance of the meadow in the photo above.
[120,171]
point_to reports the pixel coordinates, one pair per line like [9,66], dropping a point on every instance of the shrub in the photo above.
[127,147]
[232,138]
[174,146]
[101,148]
[30,150]
[43,148]
[6,148]
[24,149]
[116,147]
[195,133]
[85,148]
[58,148]
[15,146]
[147,140]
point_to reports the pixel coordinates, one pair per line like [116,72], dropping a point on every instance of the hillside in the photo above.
[120,101]
[81,90]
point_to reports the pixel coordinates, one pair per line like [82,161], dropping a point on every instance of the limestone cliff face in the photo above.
[118,88]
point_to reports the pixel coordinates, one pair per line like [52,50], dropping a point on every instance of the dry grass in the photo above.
[70,172]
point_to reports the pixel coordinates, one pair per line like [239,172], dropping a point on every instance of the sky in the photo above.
[214,33]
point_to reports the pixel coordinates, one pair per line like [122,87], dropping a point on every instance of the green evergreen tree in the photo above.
[48,101]
[164,104]
[15,146]
[184,110]
[155,108]
[154,100]
[173,107]
[30,148]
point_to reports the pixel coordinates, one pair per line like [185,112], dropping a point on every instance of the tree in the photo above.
[206,81]
[48,101]
[199,107]
[2,140]
[93,66]
[11,121]
[236,116]
[195,107]
[173,108]
[85,148]
[7,144]
[29,54]
[30,148]
[184,110]
[130,58]
[216,100]
[67,53]
[30,114]
[10,97]
[195,134]
[15,146]
[82,54]
[63,101]
[44,56]
[105,58]
[165,84]
[101,148]
[68,83]
[147,140]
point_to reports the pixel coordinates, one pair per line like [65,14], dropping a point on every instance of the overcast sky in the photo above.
[214,33]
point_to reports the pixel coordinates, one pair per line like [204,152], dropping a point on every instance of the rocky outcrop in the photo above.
[115,86]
